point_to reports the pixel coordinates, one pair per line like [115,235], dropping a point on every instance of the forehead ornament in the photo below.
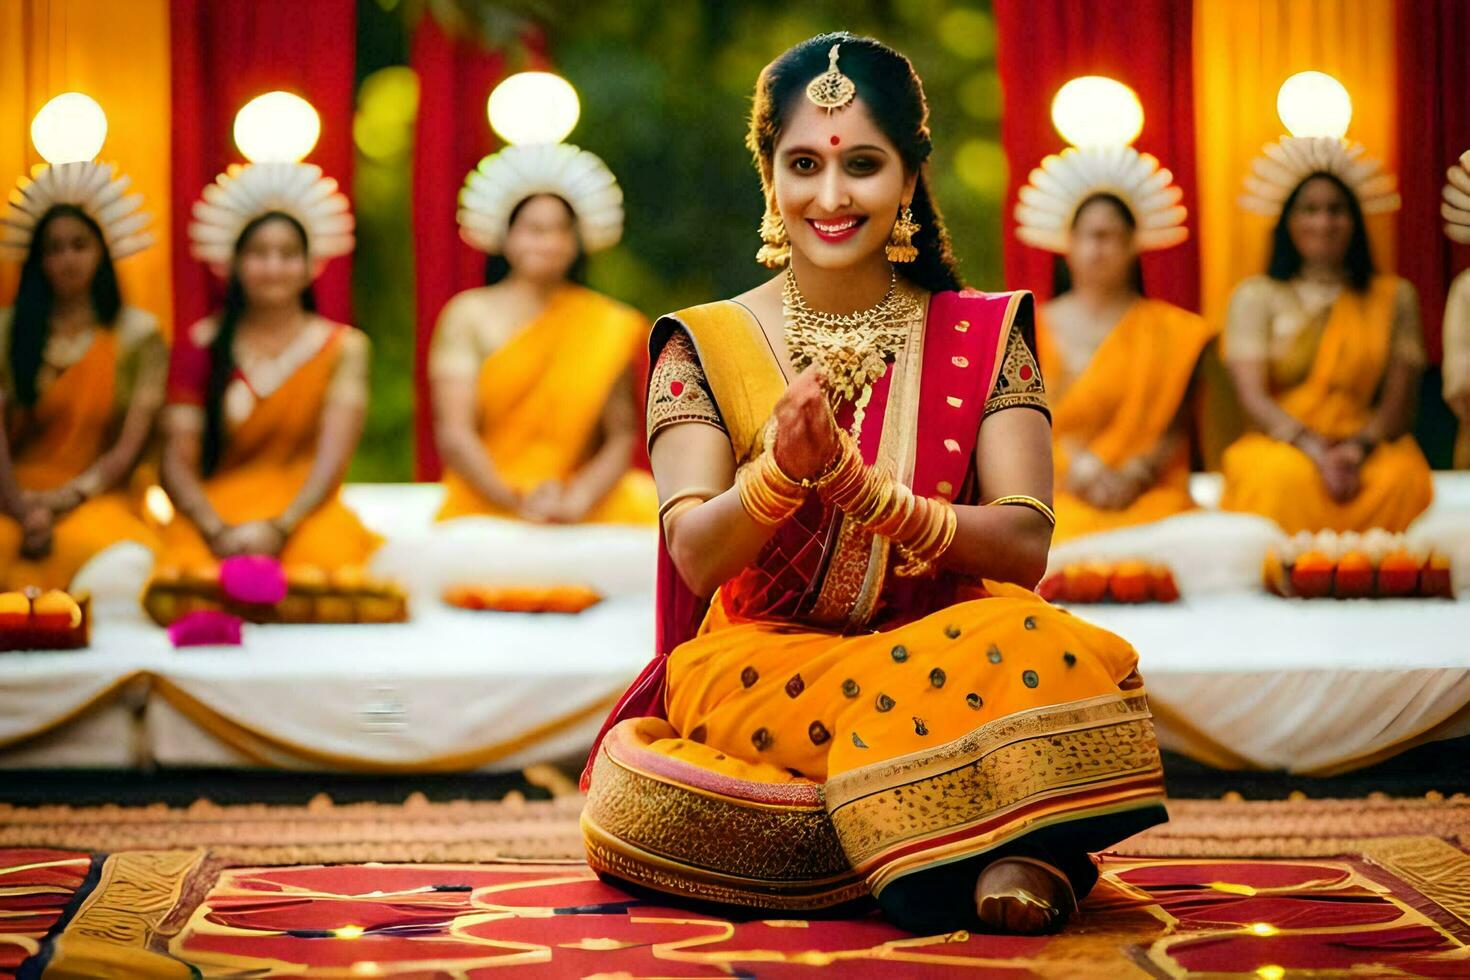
[831,89]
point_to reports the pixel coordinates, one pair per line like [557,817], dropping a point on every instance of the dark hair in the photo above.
[1061,275]
[497,268]
[894,95]
[1286,261]
[222,347]
[30,324]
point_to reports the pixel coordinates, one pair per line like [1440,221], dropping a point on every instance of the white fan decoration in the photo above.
[1049,202]
[243,193]
[504,179]
[1456,207]
[94,189]
[1284,165]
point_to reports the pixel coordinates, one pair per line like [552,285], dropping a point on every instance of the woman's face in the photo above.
[839,183]
[1102,250]
[1320,222]
[541,242]
[70,254]
[272,264]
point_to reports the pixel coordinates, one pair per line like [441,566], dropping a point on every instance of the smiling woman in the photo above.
[854,466]
[1325,354]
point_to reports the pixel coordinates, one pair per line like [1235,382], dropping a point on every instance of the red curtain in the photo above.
[1434,129]
[226,52]
[452,134]
[1147,45]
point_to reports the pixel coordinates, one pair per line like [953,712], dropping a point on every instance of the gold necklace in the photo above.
[852,349]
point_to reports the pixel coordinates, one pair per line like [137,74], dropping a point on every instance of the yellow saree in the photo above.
[73,422]
[833,733]
[1334,396]
[1120,406]
[267,458]
[540,400]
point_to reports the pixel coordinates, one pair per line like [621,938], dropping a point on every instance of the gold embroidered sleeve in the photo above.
[1019,384]
[678,390]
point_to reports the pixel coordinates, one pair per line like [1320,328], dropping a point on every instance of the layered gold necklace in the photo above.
[852,349]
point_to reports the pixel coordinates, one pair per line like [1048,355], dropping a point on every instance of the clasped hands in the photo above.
[806,442]
[1105,487]
[249,538]
[1340,463]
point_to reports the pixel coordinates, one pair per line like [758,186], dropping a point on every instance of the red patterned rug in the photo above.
[1388,896]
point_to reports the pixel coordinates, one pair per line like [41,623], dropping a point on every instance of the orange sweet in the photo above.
[1087,583]
[55,610]
[1354,576]
[15,610]
[1311,576]
[1165,589]
[1435,578]
[1130,582]
[1053,588]
[1398,574]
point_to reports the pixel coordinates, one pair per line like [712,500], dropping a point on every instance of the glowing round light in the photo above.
[533,107]
[1097,111]
[69,129]
[1313,103]
[276,126]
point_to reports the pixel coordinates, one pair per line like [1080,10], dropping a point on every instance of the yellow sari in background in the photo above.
[540,399]
[1332,393]
[1120,406]
[267,458]
[75,419]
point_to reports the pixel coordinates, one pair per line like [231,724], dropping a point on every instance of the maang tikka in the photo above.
[831,89]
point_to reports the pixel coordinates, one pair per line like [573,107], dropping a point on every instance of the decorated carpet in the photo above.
[467,890]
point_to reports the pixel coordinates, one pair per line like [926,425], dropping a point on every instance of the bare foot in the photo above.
[1024,897]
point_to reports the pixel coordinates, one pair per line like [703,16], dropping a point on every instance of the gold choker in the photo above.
[852,349]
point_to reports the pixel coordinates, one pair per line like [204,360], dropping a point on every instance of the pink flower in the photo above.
[254,579]
[208,627]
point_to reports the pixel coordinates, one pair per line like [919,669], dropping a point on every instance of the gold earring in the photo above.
[775,250]
[900,247]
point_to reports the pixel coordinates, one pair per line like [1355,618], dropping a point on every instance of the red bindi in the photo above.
[836,140]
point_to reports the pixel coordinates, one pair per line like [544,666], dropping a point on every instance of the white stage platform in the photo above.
[1237,678]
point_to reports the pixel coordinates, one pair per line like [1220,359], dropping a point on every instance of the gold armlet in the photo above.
[697,494]
[1026,500]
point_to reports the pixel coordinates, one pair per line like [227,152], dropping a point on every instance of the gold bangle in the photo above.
[767,496]
[805,483]
[1026,500]
[938,535]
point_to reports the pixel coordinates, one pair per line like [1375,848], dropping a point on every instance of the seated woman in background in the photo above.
[1325,354]
[1456,211]
[82,376]
[1119,367]
[532,373]
[260,427]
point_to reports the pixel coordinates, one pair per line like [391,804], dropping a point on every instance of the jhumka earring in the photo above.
[900,247]
[775,250]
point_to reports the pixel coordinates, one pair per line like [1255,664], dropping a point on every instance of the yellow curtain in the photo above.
[1244,50]
[118,53]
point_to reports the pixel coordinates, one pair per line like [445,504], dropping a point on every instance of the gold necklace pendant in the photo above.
[852,349]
